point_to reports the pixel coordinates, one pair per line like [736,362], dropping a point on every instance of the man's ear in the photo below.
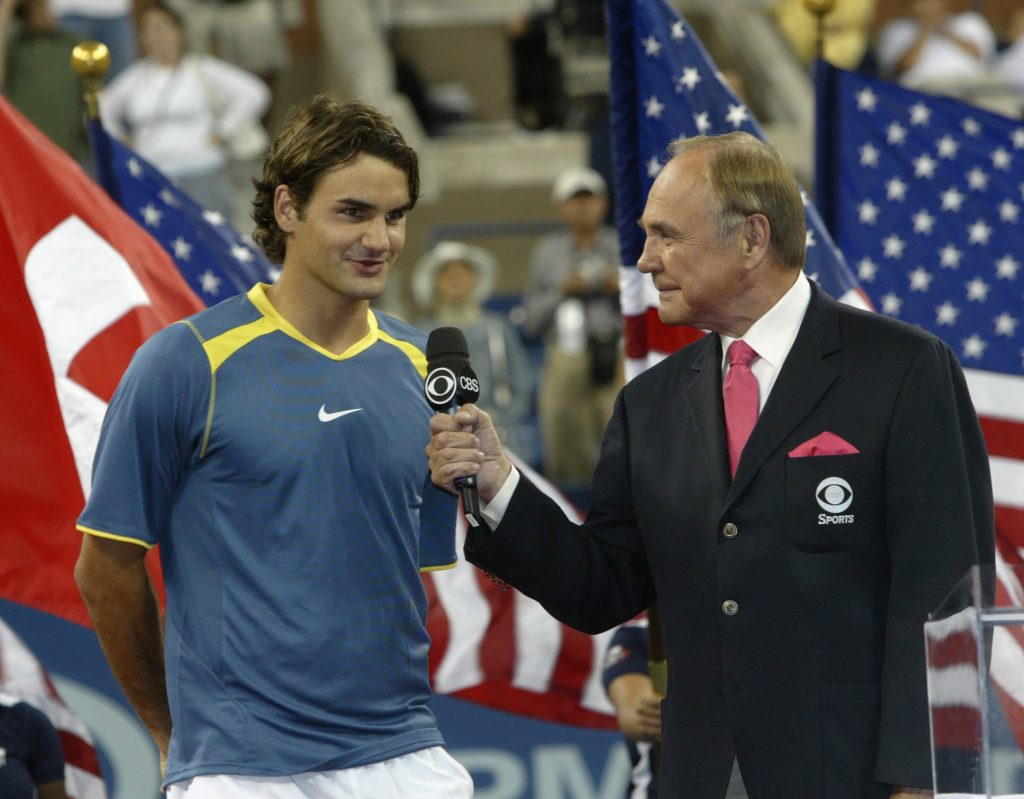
[756,237]
[286,212]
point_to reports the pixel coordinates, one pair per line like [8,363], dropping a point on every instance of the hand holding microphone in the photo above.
[450,383]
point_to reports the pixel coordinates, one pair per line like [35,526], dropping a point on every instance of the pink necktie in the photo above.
[740,394]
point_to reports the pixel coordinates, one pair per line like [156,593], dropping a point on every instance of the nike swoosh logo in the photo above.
[324,416]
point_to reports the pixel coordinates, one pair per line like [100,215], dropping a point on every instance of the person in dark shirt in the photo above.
[637,707]
[31,759]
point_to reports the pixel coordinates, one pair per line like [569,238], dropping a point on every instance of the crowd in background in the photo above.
[192,85]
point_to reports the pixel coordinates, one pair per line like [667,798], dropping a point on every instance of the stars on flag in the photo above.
[896,189]
[1007,268]
[979,232]
[894,246]
[977,290]
[654,108]
[652,47]
[866,270]
[738,114]
[151,215]
[952,200]
[690,78]
[924,166]
[210,282]
[946,314]
[947,146]
[182,249]
[215,259]
[977,179]
[920,279]
[896,133]
[920,114]
[1006,325]
[931,205]
[949,257]
[867,100]
[923,222]
[868,212]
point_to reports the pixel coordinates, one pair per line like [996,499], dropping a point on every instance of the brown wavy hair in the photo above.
[317,138]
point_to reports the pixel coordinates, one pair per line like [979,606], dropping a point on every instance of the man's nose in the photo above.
[648,261]
[375,236]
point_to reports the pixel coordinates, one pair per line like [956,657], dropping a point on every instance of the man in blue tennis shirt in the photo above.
[273,447]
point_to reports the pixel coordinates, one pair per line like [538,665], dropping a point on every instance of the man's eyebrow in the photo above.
[663,228]
[363,205]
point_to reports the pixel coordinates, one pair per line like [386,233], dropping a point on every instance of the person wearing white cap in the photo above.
[571,299]
[450,284]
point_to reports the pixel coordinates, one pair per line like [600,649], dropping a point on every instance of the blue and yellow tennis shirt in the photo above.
[289,493]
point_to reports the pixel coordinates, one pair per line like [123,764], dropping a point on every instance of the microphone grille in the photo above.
[449,341]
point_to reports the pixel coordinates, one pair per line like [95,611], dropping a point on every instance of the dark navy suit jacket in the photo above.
[816,681]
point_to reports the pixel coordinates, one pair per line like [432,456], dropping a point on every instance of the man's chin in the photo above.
[670,315]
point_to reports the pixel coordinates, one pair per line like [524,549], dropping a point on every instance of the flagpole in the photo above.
[91,60]
[820,9]
[657,667]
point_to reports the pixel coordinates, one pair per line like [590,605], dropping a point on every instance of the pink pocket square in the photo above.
[824,444]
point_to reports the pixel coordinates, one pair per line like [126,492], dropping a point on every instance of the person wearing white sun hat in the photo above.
[450,285]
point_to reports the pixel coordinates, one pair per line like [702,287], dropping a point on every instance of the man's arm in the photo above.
[938,523]
[51,790]
[119,596]
[590,576]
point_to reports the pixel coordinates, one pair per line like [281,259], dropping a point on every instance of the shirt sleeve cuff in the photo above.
[494,511]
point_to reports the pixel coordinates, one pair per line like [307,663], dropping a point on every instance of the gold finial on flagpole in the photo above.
[820,8]
[91,60]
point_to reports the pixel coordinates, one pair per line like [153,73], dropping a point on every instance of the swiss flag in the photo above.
[81,287]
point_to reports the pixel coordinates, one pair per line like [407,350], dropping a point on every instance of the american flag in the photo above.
[664,86]
[491,646]
[924,194]
[216,260]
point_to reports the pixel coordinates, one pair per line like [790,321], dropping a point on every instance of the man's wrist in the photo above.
[494,511]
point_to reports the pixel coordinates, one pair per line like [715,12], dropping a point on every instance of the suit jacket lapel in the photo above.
[804,378]
[703,400]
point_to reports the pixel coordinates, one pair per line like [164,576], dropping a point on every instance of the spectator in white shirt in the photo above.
[932,44]
[179,110]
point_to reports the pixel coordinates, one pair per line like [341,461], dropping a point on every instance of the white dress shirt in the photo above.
[772,338]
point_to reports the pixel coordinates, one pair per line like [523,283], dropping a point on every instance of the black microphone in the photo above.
[450,383]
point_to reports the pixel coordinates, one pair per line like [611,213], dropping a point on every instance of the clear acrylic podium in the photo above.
[975,651]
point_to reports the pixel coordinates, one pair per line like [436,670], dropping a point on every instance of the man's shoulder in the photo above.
[860,326]
[225,316]
[682,365]
[180,345]
[401,330]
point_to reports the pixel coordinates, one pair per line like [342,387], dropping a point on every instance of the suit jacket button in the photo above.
[730,530]
[730,607]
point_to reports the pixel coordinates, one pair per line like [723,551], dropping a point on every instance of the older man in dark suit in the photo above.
[798,490]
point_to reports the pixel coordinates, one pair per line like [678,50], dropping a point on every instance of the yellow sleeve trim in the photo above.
[412,352]
[113,536]
[220,348]
[441,568]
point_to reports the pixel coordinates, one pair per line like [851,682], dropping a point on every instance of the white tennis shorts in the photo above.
[427,774]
